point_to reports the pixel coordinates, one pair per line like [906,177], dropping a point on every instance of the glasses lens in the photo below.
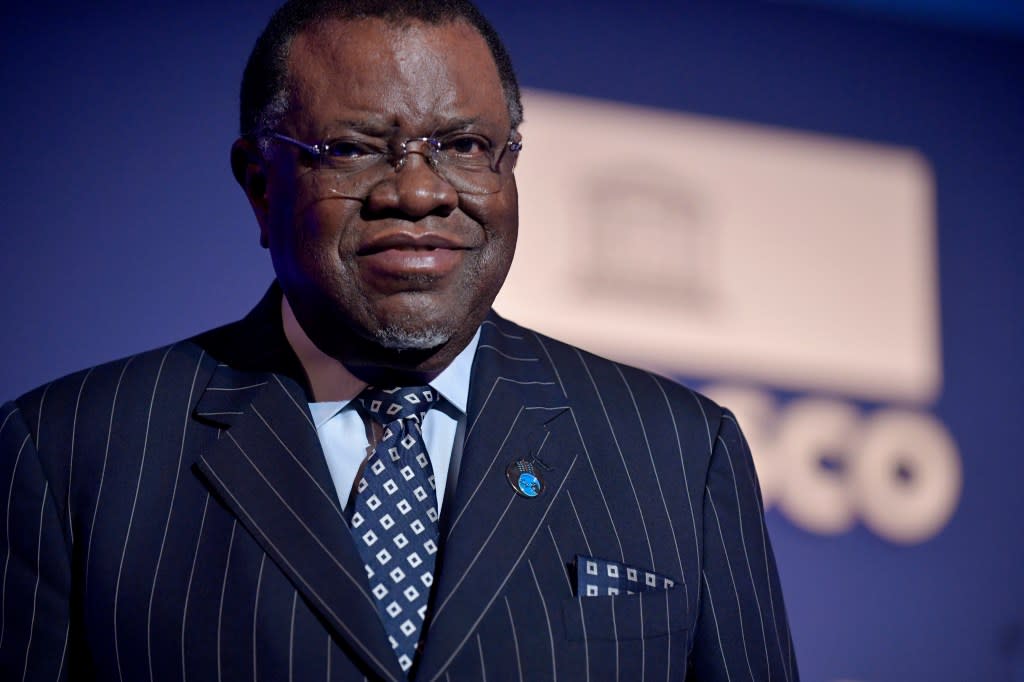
[468,163]
[472,181]
[472,165]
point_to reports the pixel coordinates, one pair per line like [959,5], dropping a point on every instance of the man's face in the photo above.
[404,275]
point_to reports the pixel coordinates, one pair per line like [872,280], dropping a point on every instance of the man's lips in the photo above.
[409,242]
[404,255]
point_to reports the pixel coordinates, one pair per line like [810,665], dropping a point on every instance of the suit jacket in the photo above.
[170,516]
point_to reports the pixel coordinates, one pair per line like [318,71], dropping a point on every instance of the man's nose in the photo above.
[414,189]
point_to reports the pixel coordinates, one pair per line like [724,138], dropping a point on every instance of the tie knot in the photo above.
[387,405]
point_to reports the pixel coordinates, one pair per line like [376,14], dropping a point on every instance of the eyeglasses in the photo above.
[469,162]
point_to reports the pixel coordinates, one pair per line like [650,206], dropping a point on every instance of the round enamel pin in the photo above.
[524,479]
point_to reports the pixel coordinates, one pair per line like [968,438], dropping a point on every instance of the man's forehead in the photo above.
[351,47]
[404,67]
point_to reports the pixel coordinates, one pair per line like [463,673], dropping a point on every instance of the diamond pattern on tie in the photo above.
[395,518]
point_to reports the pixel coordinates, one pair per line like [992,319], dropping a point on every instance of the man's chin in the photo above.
[400,339]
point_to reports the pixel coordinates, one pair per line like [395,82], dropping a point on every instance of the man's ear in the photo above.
[250,170]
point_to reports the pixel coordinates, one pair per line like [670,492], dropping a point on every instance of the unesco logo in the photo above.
[826,464]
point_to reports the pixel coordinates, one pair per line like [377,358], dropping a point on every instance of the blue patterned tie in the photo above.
[395,518]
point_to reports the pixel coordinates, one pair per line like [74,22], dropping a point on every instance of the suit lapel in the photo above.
[268,469]
[517,411]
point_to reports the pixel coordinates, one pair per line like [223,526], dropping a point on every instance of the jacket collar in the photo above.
[268,469]
[518,412]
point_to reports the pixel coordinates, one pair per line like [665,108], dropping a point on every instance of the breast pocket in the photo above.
[625,617]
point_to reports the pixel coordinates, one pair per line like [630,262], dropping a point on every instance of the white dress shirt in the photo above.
[342,431]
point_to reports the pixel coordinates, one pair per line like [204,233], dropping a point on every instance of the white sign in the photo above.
[698,246]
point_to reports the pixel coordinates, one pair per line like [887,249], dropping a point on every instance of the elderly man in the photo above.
[372,475]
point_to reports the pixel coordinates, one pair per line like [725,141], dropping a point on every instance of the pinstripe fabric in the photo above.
[170,517]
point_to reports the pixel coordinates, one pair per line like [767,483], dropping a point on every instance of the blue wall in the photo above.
[123,229]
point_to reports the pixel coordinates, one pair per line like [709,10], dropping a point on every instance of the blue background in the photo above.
[123,229]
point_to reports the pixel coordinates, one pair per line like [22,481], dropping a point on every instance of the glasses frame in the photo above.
[318,152]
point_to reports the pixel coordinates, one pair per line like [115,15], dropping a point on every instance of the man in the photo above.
[250,504]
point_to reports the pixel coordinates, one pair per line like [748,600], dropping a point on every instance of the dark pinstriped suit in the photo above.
[170,516]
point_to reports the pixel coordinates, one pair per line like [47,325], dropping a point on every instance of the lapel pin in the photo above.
[543,465]
[524,479]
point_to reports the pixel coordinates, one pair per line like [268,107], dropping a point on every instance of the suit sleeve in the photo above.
[34,561]
[742,631]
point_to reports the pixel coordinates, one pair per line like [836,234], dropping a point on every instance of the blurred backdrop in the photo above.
[811,211]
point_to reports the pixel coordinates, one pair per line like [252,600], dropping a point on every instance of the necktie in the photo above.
[395,518]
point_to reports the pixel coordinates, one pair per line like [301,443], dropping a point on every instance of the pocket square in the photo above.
[603,577]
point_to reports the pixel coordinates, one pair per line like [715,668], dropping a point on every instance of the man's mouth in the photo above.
[404,241]
[404,256]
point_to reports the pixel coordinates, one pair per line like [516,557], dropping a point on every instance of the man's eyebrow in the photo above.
[382,127]
[377,126]
[463,123]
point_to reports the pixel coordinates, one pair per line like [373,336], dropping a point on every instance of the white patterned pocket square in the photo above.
[602,577]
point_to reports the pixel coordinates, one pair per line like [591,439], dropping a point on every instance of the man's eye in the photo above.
[466,145]
[342,150]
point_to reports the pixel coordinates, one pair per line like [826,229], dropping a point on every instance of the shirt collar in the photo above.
[452,384]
